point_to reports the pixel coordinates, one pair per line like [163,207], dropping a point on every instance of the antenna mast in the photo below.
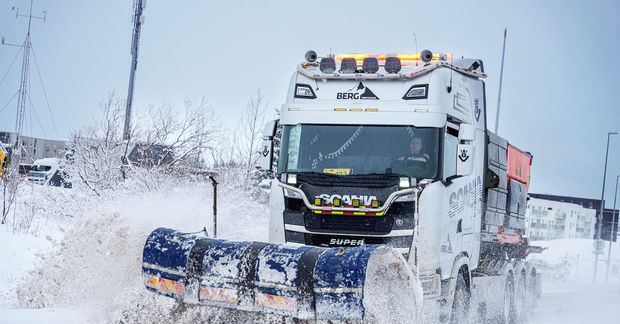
[138,20]
[23,85]
[501,76]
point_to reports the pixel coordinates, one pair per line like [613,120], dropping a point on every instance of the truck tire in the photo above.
[521,298]
[531,291]
[508,311]
[461,303]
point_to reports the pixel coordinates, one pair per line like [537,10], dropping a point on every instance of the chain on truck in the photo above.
[388,188]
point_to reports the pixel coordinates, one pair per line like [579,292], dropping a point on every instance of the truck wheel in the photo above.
[508,311]
[460,305]
[521,302]
[531,291]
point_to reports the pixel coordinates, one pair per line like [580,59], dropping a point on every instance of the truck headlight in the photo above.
[291,179]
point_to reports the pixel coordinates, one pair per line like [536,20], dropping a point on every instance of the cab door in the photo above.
[462,187]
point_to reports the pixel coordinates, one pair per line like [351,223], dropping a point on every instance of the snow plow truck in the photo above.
[391,202]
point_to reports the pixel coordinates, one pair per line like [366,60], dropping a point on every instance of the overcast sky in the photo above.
[561,76]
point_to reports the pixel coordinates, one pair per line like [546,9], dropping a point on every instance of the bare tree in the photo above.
[162,139]
[10,184]
[224,153]
[181,140]
[249,137]
[98,150]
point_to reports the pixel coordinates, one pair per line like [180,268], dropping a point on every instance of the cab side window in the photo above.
[451,143]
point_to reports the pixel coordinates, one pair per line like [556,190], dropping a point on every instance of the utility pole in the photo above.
[612,233]
[501,77]
[600,219]
[12,180]
[138,20]
[23,86]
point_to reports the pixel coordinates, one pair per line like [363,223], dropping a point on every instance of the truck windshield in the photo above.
[360,149]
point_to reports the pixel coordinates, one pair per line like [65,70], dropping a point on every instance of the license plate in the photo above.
[346,242]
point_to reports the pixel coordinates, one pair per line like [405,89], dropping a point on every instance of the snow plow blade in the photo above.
[302,282]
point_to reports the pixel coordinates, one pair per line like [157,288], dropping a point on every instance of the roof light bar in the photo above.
[402,56]
[371,62]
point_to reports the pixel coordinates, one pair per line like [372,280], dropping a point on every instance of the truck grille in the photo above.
[349,223]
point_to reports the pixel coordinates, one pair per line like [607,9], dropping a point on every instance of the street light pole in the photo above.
[501,76]
[613,224]
[600,217]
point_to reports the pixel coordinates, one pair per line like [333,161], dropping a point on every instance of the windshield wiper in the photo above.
[378,175]
[322,175]
[365,180]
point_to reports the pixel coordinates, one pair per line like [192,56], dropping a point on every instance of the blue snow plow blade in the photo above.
[302,282]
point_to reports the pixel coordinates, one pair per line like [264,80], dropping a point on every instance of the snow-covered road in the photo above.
[560,303]
[578,303]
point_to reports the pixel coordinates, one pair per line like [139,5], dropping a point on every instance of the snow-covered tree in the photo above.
[249,135]
[97,151]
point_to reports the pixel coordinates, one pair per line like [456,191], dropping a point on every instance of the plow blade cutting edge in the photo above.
[366,282]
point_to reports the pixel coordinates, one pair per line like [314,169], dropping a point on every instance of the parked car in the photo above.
[45,171]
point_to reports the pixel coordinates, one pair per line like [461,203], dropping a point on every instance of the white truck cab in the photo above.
[393,149]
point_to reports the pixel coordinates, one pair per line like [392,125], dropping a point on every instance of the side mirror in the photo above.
[467,132]
[464,159]
[265,162]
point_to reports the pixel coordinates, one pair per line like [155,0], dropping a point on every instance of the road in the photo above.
[578,303]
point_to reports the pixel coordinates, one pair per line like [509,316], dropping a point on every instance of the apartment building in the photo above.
[551,220]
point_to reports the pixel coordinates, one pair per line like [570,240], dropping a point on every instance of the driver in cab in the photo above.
[416,146]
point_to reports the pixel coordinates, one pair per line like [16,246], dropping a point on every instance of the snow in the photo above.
[569,294]
[93,270]
[45,315]
[21,251]
[577,303]
[79,259]
[572,260]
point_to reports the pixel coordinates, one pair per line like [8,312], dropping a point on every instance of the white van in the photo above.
[43,171]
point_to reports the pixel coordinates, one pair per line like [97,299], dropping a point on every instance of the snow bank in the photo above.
[38,217]
[97,265]
[20,252]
